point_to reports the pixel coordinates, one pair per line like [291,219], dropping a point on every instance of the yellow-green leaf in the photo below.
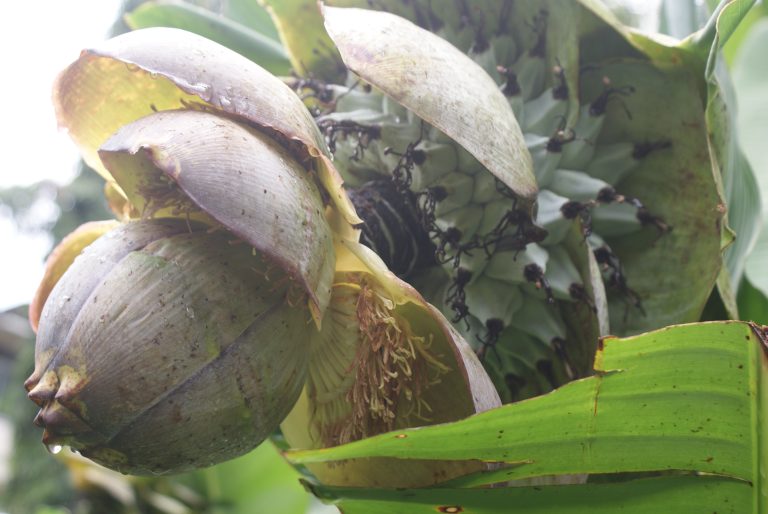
[300,27]
[240,38]
[688,402]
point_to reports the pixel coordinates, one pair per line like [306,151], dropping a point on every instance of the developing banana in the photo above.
[506,280]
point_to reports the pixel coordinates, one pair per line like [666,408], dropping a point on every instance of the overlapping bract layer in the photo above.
[205,308]
[181,351]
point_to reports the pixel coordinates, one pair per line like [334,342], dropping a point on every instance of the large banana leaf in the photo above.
[678,494]
[738,182]
[683,405]
[176,14]
[750,75]
[753,304]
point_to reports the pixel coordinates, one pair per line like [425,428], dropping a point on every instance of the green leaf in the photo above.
[251,14]
[258,482]
[51,510]
[708,41]
[678,494]
[249,43]
[734,176]
[300,26]
[608,37]
[739,185]
[750,77]
[685,398]
[732,47]
[728,19]
[753,304]
[756,270]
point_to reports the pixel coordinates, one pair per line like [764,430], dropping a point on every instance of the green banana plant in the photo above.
[254,38]
[502,157]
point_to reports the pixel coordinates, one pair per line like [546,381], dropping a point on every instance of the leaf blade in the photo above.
[249,43]
[301,30]
[562,433]
[683,495]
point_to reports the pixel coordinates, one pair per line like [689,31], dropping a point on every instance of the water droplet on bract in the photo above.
[132,67]
[224,102]
[190,312]
[204,91]
[54,448]
[153,74]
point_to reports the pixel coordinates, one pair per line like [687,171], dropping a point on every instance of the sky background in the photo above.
[38,40]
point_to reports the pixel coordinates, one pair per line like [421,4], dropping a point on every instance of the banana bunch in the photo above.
[509,275]
[233,287]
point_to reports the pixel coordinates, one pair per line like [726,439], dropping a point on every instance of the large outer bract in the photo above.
[180,350]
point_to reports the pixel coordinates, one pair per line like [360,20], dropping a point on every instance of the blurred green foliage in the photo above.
[261,482]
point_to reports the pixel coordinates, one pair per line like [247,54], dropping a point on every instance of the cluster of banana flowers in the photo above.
[233,285]
[234,293]
[546,171]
